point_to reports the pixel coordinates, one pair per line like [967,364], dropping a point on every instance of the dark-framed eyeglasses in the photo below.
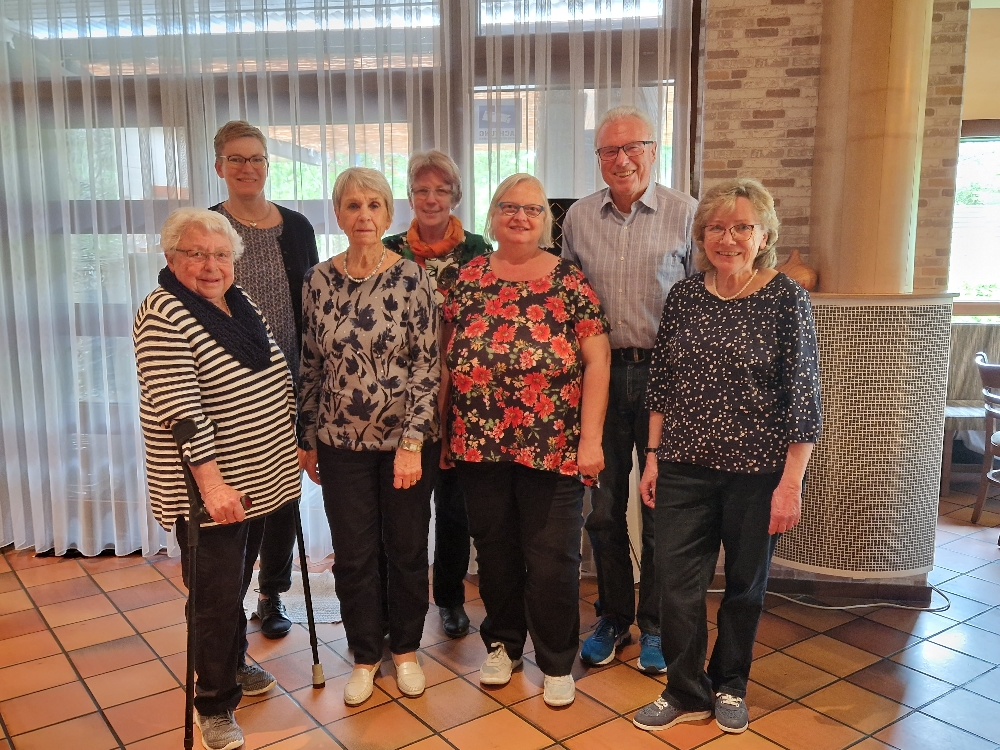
[239,161]
[633,149]
[739,232]
[222,257]
[531,210]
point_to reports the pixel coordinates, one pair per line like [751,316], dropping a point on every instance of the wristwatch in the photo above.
[647,450]
[411,444]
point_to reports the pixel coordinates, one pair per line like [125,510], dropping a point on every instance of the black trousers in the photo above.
[226,556]
[365,513]
[626,427]
[276,551]
[698,508]
[451,540]
[527,524]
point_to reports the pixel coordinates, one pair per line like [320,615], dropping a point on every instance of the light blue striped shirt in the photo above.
[632,261]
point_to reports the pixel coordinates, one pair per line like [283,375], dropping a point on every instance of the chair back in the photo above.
[990,375]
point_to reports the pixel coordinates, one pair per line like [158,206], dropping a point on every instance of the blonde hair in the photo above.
[364,179]
[516,179]
[435,161]
[208,221]
[724,195]
[237,129]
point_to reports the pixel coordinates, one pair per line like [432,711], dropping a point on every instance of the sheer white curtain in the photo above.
[107,112]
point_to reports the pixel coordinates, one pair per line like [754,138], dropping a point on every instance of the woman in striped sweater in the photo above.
[205,353]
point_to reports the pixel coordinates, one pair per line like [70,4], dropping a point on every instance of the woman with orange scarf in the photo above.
[437,241]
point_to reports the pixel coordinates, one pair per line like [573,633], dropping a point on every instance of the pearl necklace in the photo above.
[374,270]
[742,288]
[253,224]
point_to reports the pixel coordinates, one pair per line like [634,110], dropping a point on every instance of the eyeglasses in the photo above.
[425,193]
[223,257]
[633,149]
[239,161]
[739,232]
[531,210]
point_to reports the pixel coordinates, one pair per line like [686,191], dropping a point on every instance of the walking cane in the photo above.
[183,430]
[318,680]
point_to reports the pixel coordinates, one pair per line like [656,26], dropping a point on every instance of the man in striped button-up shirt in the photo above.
[633,241]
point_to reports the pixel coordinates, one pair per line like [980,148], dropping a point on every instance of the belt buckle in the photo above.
[637,354]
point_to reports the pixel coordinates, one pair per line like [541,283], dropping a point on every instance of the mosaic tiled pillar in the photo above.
[871,496]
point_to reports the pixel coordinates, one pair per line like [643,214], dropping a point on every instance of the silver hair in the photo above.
[546,239]
[208,221]
[366,180]
[435,161]
[622,113]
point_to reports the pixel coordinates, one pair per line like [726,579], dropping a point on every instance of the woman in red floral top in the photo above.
[528,365]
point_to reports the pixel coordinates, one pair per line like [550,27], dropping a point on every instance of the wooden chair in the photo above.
[990,375]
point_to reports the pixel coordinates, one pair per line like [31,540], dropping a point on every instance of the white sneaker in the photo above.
[498,666]
[559,691]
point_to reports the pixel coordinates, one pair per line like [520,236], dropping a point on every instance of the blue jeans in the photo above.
[698,508]
[626,427]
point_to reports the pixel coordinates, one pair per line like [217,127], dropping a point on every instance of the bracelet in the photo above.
[411,444]
[649,450]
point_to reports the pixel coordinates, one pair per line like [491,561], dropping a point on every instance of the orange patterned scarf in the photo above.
[453,235]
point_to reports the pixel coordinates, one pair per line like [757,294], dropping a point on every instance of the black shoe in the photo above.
[454,621]
[274,622]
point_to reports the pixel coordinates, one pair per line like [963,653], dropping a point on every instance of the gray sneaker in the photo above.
[254,680]
[498,666]
[219,732]
[661,714]
[731,713]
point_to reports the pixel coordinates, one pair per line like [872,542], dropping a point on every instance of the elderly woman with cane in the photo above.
[205,355]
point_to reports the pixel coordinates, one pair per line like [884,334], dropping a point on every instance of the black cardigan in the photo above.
[298,252]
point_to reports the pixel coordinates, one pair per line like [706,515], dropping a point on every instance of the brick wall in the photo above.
[761,93]
[942,126]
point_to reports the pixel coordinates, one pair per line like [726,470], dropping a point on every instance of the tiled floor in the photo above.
[92,658]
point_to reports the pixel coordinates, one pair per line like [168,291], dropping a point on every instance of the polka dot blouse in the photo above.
[736,381]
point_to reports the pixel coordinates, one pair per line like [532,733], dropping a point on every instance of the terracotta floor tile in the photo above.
[962,609]
[271,721]
[461,655]
[449,704]
[434,674]
[777,632]
[620,688]
[21,623]
[819,620]
[26,558]
[974,548]
[870,743]
[157,616]
[104,563]
[959,563]
[327,705]
[148,716]
[171,740]
[121,578]
[177,664]
[615,735]
[317,739]
[170,567]
[32,676]
[941,662]
[295,670]
[900,684]
[988,685]
[690,734]
[46,707]
[788,676]
[4,566]
[77,610]
[130,683]
[831,655]
[62,571]
[921,732]
[63,591]
[920,624]
[972,641]
[384,727]
[106,657]
[939,575]
[91,632]
[501,730]
[584,713]
[330,631]
[761,700]
[524,683]
[855,707]
[746,741]
[9,582]
[14,601]
[167,641]
[872,636]
[797,727]
[431,743]
[27,647]
[84,733]
[989,572]
[145,594]
[974,588]
[263,649]
[968,711]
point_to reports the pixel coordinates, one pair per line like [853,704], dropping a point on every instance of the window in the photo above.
[975,238]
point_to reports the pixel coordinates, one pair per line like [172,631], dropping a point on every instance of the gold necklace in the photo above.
[252,223]
[742,288]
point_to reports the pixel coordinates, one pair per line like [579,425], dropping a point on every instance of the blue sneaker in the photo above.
[651,656]
[599,648]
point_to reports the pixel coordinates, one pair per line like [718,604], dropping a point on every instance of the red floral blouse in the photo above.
[515,364]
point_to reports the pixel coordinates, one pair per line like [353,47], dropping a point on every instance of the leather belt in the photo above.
[631,355]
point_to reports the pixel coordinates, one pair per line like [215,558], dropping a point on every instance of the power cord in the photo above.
[893,605]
